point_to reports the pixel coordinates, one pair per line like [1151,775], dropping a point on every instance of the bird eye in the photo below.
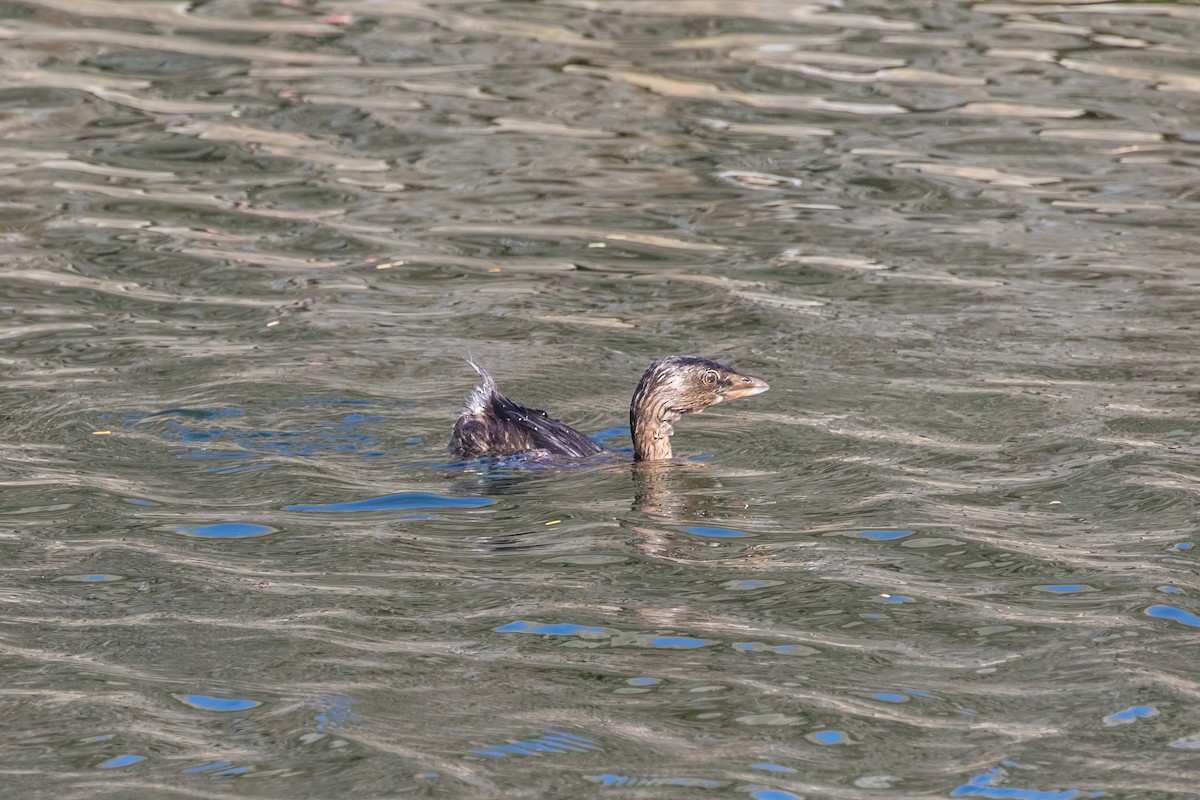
[709,377]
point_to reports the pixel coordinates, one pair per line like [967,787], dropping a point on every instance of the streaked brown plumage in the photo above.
[493,425]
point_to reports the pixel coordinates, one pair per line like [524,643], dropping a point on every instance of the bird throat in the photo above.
[650,425]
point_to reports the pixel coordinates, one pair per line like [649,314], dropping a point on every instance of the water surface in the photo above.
[950,553]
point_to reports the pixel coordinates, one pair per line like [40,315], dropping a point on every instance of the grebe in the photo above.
[493,425]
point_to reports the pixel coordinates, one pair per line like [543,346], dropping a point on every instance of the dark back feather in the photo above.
[493,425]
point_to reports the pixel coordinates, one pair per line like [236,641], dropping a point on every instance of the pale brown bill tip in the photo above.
[746,386]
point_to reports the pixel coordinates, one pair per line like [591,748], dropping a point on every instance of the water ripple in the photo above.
[246,250]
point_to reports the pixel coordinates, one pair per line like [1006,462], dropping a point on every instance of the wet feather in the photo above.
[493,425]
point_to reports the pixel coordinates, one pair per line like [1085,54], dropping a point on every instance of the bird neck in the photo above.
[650,421]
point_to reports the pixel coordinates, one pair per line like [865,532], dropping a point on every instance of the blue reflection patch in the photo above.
[551,743]
[209,767]
[1130,714]
[628,780]
[402,500]
[204,453]
[603,437]
[715,533]
[197,429]
[96,577]
[1066,588]
[772,767]
[762,647]
[502,750]
[1175,614]
[643,681]
[195,413]
[121,761]
[209,703]
[896,598]
[678,642]
[828,737]
[335,711]
[1187,742]
[552,629]
[890,697]
[758,793]
[884,536]
[226,530]
[985,786]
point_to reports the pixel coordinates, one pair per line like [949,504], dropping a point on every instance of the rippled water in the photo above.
[247,245]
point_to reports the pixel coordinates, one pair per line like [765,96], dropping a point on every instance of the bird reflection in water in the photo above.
[492,425]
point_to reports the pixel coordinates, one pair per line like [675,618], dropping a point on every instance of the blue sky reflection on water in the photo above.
[990,784]
[226,530]
[399,501]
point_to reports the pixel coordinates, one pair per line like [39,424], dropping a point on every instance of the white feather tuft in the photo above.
[478,400]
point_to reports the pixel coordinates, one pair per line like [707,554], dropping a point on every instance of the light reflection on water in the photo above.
[950,553]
